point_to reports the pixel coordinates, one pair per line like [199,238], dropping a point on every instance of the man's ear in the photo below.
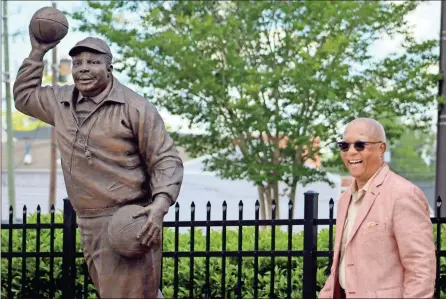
[383,148]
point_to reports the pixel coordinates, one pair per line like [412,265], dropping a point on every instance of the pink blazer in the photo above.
[390,252]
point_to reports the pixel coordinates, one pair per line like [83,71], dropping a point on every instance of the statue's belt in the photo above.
[108,211]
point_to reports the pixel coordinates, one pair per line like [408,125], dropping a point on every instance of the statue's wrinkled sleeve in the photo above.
[30,98]
[157,148]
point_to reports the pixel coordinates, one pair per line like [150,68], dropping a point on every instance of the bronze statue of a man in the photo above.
[115,151]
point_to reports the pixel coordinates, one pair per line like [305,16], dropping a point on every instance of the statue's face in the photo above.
[91,73]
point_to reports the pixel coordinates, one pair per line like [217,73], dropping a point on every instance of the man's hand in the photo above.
[39,49]
[151,232]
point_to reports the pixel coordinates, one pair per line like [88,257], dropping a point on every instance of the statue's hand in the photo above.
[151,232]
[38,46]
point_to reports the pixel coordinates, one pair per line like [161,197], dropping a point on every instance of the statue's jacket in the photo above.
[119,154]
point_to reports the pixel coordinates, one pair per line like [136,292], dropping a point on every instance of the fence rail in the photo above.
[62,282]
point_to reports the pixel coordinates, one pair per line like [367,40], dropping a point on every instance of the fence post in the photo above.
[310,245]
[69,250]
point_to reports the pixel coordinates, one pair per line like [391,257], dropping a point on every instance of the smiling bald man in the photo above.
[384,244]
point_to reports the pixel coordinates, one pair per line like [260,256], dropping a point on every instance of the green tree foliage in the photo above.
[265,78]
[413,156]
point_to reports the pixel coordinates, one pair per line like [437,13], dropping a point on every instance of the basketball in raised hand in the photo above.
[49,25]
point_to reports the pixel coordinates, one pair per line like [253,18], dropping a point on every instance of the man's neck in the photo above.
[360,183]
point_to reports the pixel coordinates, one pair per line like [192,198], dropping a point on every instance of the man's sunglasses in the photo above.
[358,145]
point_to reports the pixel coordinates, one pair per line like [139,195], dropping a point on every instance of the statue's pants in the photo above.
[114,275]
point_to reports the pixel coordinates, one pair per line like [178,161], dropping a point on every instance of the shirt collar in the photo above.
[365,188]
[116,93]
[99,97]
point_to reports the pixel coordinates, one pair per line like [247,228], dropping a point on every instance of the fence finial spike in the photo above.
[331,203]
[439,202]
[24,208]
[208,204]
[290,204]
[240,204]
[52,210]
[38,208]
[224,203]
[192,204]
[11,208]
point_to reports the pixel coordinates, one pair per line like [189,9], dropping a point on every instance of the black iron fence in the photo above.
[257,259]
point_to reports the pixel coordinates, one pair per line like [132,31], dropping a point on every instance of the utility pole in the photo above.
[7,76]
[52,199]
[440,184]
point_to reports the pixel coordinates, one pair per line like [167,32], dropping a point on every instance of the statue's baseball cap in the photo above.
[92,43]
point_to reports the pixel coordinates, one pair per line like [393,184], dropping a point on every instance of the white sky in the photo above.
[425,21]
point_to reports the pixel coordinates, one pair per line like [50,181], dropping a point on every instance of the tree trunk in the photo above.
[275,187]
[292,197]
[266,199]
[261,190]
[269,199]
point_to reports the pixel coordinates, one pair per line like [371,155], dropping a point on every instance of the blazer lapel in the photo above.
[369,199]
[344,202]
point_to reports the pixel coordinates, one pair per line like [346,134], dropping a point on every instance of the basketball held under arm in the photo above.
[151,232]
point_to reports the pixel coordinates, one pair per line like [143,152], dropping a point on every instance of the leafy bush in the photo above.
[215,264]
[39,285]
